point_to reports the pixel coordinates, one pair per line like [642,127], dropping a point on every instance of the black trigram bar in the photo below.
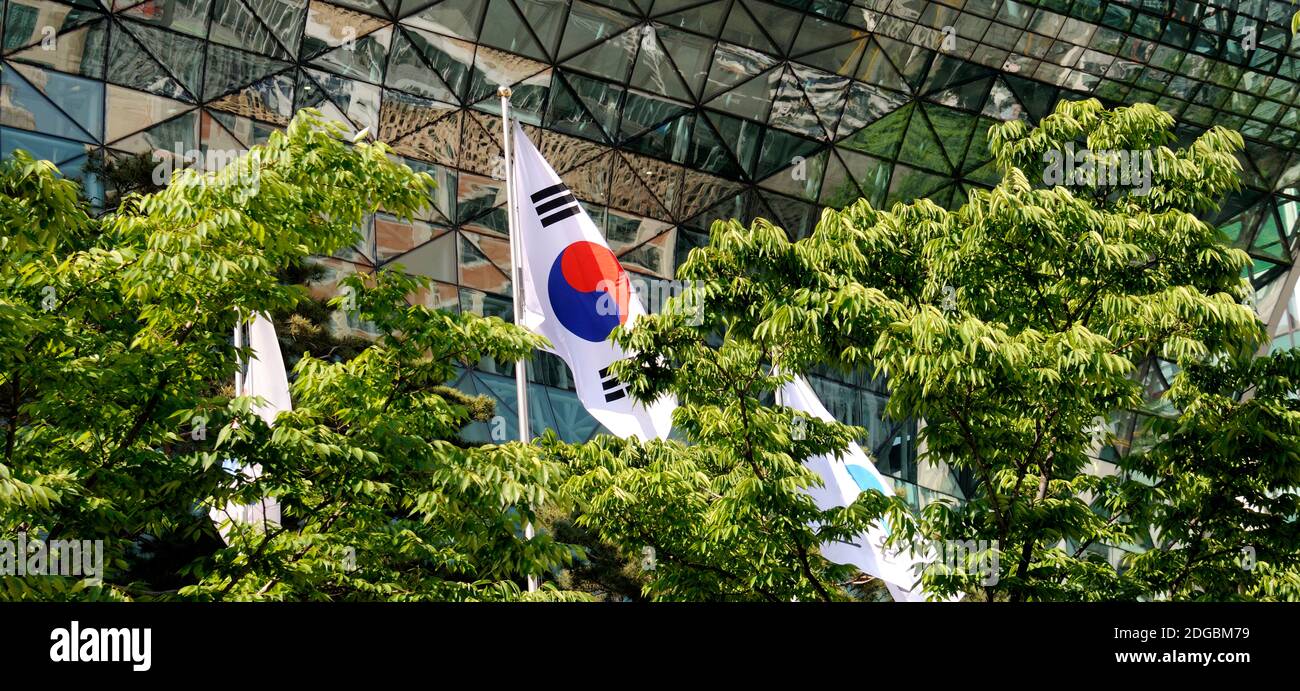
[614,389]
[558,207]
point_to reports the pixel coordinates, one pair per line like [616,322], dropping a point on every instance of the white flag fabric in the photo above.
[266,379]
[844,478]
[575,292]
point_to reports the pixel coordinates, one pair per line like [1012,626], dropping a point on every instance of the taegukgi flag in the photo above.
[266,379]
[575,292]
[844,478]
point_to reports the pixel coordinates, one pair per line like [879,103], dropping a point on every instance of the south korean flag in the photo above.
[575,292]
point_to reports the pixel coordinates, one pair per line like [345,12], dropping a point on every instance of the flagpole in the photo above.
[516,286]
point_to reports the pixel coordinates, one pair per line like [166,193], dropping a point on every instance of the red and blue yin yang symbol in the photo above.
[590,293]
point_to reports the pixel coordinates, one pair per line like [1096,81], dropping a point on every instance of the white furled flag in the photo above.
[844,478]
[263,378]
[575,292]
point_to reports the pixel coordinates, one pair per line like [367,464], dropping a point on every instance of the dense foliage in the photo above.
[116,413]
[1010,326]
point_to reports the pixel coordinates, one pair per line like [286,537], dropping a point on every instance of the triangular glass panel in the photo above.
[600,99]
[28,24]
[642,112]
[565,113]
[912,62]
[358,101]
[485,263]
[283,18]
[1269,241]
[816,33]
[751,99]
[987,174]
[269,99]
[610,59]
[368,6]
[801,178]
[129,64]
[842,59]
[658,8]
[480,145]
[877,69]
[1002,104]
[664,180]
[402,113]
[80,99]
[838,187]
[494,68]
[629,192]
[702,19]
[699,190]
[779,23]
[871,174]
[44,148]
[741,137]
[653,257]
[459,18]
[624,231]
[439,142]
[435,259]
[503,28]
[589,27]
[27,108]
[792,111]
[1037,98]
[181,55]
[741,29]
[450,58]
[977,153]
[864,105]
[708,153]
[81,51]
[669,139]
[909,184]
[690,54]
[781,150]
[884,136]
[131,111]
[408,71]
[230,69]
[825,92]
[234,25]
[796,217]
[953,129]
[176,135]
[948,72]
[969,96]
[361,59]
[330,26]
[654,71]
[546,18]
[732,65]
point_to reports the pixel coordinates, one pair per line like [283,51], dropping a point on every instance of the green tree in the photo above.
[116,413]
[1010,327]
[1215,481]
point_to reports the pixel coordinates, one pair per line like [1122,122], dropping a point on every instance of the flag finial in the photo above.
[503,91]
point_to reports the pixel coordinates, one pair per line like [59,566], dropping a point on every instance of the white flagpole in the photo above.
[517,286]
[239,360]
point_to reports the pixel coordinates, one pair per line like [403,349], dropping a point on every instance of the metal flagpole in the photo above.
[516,284]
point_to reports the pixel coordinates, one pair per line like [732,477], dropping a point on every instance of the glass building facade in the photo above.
[660,115]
